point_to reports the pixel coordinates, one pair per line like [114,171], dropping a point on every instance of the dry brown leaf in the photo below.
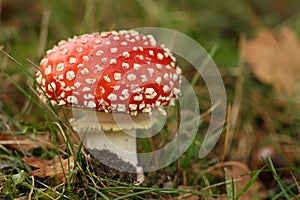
[50,168]
[25,143]
[275,59]
[239,172]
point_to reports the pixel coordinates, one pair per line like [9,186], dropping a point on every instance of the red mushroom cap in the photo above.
[121,71]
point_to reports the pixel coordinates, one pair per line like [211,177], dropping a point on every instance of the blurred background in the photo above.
[208,22]
[29,27]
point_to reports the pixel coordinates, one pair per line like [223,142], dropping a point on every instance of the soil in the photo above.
[154,179]
[104,171]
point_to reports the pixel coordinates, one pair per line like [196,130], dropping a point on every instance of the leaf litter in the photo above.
[275,60]
[57,167]
[25,143]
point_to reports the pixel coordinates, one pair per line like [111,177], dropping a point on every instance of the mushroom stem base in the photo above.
[118,142]
[102,131]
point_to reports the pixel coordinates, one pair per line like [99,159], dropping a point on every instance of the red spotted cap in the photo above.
[113,71]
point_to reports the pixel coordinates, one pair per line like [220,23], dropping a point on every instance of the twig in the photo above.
[226,133]
[44,32]
[21,142]
[238,92]
[32,187]
[295,180]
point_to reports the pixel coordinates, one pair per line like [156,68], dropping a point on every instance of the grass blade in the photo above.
[98,192]
[250,182]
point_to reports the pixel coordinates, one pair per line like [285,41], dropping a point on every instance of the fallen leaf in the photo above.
[25,143]
[18,178]
[239,172]
[275,59]
[50,168]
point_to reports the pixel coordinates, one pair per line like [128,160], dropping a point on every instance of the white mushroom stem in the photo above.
[117,142]
[112,131]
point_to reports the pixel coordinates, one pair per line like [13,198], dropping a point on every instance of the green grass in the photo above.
[215,25]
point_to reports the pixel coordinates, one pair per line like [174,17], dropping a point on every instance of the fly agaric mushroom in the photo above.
[116,74]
